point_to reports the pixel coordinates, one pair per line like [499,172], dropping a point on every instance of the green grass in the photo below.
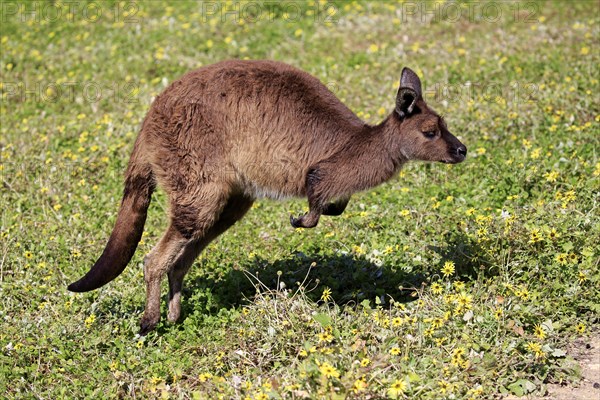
[518,220]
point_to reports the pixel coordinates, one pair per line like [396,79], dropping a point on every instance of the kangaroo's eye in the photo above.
[429,134]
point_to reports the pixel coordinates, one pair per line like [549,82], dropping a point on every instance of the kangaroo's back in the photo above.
[265,121]
[256,89]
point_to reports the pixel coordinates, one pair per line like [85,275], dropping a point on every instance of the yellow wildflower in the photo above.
[448,268]
[329,370]
[539,332]
[326,296]
[396,388]
[359,385]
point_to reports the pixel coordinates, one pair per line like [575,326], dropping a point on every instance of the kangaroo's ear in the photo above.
[408,93]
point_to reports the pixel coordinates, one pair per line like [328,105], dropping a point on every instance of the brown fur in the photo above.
[226,134]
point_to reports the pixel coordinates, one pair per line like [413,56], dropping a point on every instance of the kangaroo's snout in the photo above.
[457,153]
[461,152]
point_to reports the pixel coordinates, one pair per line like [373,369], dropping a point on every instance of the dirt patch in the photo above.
[587,353]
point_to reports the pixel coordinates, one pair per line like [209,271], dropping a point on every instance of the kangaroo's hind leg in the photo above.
[170,247]
[234,210]
[192,217]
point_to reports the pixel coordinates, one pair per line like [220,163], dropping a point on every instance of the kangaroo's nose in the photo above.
[461,150]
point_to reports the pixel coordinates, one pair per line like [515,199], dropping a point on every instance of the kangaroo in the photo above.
[228,133]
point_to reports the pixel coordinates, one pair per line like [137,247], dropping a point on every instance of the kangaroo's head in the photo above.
[422,133]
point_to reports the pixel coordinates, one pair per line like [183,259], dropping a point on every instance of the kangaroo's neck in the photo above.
[392,141]
[377,153]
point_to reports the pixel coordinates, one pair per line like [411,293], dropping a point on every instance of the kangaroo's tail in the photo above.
[139,185]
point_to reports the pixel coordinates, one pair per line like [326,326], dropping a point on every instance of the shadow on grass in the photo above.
[350,279]
[470,258]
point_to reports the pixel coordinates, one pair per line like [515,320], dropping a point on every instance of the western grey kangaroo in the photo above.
[226,134]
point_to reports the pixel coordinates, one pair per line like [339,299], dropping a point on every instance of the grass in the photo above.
[465,281]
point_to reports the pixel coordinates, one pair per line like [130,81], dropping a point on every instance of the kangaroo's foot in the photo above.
[308,220]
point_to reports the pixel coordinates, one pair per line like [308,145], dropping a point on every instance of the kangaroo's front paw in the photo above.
[296,222]
[309,220]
